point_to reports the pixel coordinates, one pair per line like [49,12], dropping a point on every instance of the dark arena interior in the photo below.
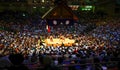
[59,34]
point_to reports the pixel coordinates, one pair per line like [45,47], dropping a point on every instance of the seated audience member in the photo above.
[16,60]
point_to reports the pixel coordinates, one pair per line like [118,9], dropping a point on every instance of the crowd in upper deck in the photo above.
[101,42]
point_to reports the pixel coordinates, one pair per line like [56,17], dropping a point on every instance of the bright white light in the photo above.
[43,7]
[23,14]
[61,23]
[88,6]
[67,22]
[43,0]
[34,7]
[88,9]
[55,22]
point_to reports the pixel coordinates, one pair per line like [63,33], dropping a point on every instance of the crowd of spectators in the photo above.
[99,44]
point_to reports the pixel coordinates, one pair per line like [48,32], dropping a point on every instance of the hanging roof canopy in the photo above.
[60,11]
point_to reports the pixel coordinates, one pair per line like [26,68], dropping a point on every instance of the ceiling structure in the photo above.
[79,2]
[45,5]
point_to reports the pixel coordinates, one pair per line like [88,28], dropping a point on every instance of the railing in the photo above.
[111,65]
[86,66]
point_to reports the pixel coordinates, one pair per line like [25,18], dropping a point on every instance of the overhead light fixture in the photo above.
[67,22]
[43,0]
[34,7]
[23,15]
[43,7]
[54,22]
